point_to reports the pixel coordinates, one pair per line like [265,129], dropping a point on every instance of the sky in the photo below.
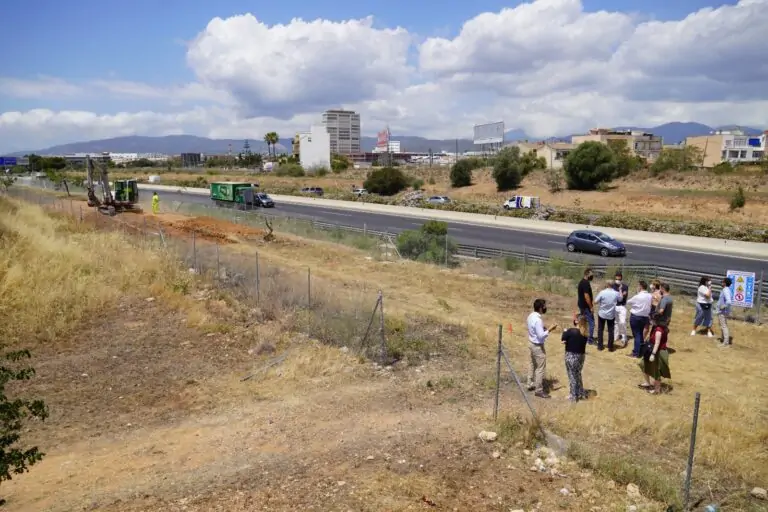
[87,69]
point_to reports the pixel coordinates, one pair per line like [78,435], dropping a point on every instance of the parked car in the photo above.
[317,191]
[439,200]
[595,242]
[360,192]
[263,200]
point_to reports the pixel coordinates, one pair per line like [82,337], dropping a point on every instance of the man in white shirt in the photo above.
[537,335]
[606,302]
[639,316]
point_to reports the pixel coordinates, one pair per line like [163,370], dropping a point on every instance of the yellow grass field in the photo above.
[141,363]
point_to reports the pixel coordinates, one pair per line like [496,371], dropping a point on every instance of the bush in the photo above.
[508,169]
[289,170]
[739,199]
[428,244]
[590,165]
[555,180]
[340,163]
[418,184]
[723,168]
[461,173]
[321,171]
[386,181]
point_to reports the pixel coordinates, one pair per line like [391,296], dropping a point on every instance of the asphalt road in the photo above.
[502,238]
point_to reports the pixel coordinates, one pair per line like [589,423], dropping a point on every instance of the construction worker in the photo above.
[155,203]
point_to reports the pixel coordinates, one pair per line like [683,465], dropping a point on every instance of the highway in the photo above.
[503,238]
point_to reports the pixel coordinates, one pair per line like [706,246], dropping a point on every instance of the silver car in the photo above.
[439,200]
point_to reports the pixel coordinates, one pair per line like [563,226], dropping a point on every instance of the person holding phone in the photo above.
[537,335]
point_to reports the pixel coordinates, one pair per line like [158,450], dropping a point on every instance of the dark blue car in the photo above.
[594,242]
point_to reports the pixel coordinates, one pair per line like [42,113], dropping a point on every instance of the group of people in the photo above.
[650,314]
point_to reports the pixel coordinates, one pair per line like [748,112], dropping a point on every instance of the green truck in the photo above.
[231,194]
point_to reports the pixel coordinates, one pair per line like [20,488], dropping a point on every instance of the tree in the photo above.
[739,199]
[589,166]
[6,181]
[461,173]
[626,162]
[509,168]
[14,457]
[530,162]
[386,181]
[271,138]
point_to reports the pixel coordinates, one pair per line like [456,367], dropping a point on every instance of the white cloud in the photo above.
[547,67]
[283,69]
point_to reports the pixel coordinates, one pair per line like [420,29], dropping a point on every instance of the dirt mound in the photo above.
[215,229]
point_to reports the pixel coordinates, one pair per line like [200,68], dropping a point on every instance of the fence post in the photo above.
[144,231]
[689,468]
[760,295]
[498,378]
[258,285]
[309,287]
[365,229]
[218,264]
[81,214]
[194,251]
[525,260]
[383,332]
[446,248]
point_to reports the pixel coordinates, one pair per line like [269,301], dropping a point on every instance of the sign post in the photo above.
[742,288]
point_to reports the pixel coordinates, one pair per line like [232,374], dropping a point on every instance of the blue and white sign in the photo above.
[742,288]
[8,161]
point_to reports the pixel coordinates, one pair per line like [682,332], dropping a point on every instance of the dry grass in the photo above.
[424,415]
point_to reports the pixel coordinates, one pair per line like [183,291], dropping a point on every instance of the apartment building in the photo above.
[343,128]
[554,153]
[732,146]
[646,145]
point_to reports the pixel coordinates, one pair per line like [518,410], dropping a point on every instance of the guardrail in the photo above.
[682,280]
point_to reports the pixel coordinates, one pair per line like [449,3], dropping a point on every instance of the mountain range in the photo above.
[672,133]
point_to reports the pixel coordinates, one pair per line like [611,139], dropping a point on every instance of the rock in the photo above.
[632,508]
[539,465]
[341,483]
[611,484]
[633,491]
[552,460]
[150,299]
[759,493]
[488,437]
[516,510]
[527,452]
[496,455]
[564,492]
[370,457]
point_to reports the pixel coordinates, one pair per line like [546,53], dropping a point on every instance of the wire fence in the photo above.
[299,299]
[527,262]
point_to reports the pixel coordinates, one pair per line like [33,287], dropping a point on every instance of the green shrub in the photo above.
[289,170]
[428,244]
[340,163]
[386,181]
[508,169]
[321,171]
[461,173]
[418,184]
[555,180]
[723,168]
[739,199]
[590,165]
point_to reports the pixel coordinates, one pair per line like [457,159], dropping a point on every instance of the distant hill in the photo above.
[175,144]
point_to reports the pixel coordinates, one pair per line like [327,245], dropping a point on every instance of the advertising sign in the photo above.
[492,133]
[382,141]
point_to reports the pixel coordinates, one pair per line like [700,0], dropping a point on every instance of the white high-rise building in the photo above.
[343,128]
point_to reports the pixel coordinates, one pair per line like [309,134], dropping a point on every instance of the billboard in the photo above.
[8,161]
[382,141]
[491,133]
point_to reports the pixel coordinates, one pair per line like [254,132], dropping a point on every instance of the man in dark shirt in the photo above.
[621,308]
[585,303]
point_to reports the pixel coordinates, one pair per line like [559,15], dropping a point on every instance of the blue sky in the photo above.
[93,69]
[92,39]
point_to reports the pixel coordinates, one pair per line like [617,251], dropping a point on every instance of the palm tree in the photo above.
[268,141]
[272,138]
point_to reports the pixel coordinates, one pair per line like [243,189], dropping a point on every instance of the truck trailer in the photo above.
[231,194]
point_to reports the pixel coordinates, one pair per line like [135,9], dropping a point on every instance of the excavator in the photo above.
[126,194]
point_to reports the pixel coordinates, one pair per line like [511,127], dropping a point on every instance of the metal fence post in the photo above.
[498,378]
[309,287]
[689,468]
[365,229]
[194,251]
[446,248]
[759,295]
[218,264]
[525,260]
[383,332]
[258,284]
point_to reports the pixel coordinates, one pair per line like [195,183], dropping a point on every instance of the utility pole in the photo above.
[457,151]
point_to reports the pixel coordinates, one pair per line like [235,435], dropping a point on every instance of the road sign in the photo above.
[742,288]
[8,161]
